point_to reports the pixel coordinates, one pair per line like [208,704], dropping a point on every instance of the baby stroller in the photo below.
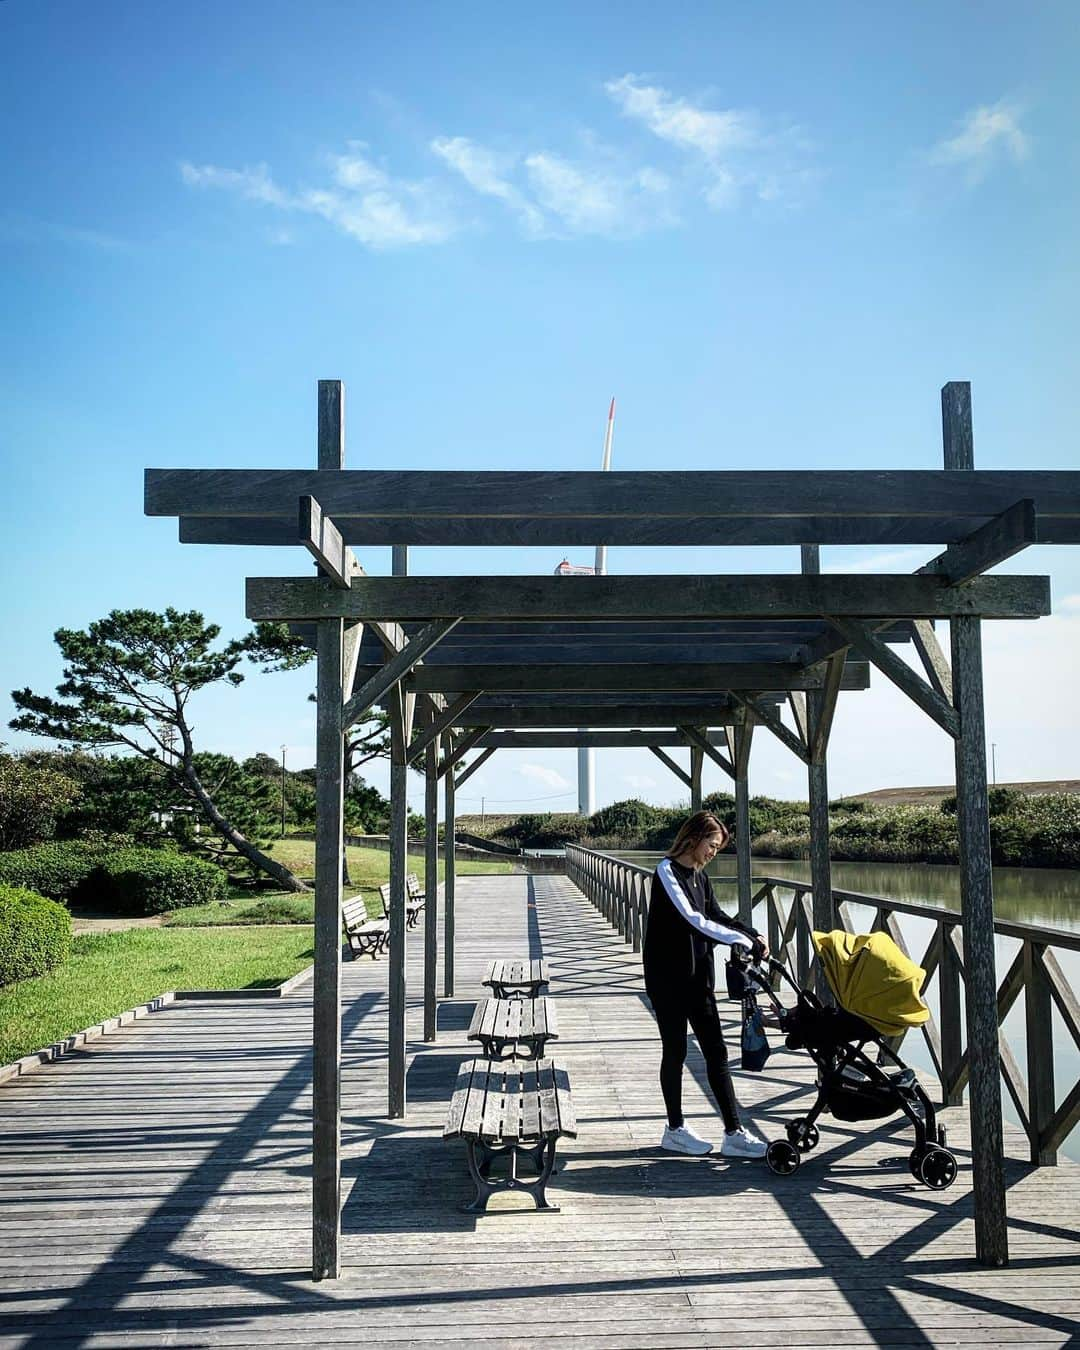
[876,989]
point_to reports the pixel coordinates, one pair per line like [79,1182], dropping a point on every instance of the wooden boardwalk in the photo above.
[154,1190]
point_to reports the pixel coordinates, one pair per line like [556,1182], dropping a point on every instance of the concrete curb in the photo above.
[51,1053]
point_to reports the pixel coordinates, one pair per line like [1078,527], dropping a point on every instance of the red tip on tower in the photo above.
[611,412]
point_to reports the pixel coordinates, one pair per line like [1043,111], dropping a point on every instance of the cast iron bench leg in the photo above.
[480,1155]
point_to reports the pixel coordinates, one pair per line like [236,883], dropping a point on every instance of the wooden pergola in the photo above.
[657,661]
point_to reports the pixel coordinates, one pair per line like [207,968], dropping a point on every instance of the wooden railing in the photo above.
[783,911]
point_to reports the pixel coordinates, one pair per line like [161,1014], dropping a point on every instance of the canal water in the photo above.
[1047,897]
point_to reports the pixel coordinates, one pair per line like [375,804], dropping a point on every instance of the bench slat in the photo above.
[564,1101]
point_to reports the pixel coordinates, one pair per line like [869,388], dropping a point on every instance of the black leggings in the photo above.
[697,1006]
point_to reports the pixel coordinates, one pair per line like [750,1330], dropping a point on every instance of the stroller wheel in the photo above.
[803,1136]
[937,1168]
[782,1157]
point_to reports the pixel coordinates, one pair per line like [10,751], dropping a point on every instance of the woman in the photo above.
[685,924]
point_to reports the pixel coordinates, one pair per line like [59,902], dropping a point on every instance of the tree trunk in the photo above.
[244,847]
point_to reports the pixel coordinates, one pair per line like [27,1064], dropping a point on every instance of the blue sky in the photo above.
[772,231]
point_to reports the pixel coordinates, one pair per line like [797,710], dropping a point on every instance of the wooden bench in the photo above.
[367,937]
[510,1023]
[413,889]
[517,1111]
[516,979]
[413,908]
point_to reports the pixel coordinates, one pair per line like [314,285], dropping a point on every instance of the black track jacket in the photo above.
[685,923]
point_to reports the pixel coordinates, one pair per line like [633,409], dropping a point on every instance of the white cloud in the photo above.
[363,202]
[987,134]
[713,134]
[539,773]
[1070,604]
[732,153]
[639,781]
[485,173]
[588,200]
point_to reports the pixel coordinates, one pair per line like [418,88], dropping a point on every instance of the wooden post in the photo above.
[329,859]
[326,1072]
[743,731]
[1040,1052]
[399,863]
[949,1023]
[697,759]
[976,885]
[818,792]
[431,890]
[449,826]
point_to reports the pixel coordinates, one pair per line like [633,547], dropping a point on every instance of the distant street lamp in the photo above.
[283,792]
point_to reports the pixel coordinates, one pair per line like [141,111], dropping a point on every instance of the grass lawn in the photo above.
[368,868]
[111,972]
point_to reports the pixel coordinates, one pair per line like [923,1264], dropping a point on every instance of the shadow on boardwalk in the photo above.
[156,1192]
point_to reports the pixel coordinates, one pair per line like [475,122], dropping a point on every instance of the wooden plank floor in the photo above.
[154,1190]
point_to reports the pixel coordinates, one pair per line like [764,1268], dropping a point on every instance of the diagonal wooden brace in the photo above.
[395,668]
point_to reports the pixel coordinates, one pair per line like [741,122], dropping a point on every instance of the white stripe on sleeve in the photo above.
[681,901]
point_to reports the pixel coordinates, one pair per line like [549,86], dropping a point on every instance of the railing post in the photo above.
[949,996]
[1040,1053]
[802,939]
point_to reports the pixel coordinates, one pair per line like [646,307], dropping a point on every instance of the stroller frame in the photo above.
[843,1063]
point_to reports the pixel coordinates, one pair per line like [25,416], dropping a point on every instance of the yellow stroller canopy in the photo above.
[872,978]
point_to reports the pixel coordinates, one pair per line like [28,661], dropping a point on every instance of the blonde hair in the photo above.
[699,826]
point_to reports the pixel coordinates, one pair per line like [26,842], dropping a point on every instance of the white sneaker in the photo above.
[742,1144]
[682,1139]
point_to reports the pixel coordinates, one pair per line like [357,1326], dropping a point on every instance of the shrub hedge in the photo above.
[154,881]
[35,934]
[58,870]
[1025,831]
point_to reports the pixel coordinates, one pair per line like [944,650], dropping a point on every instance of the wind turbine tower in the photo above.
[586,785]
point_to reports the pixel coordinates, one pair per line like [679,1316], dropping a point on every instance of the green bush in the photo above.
[153,881]
[630,820]
[60,870]
[31,798]
[35,934]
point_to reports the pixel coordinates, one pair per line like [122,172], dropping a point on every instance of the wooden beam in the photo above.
[597,740]
[323,541]
[326,1073]
[825,709]
[990,544]
[976,882]
[526,599]
[897,670]
[464,745]
[933,658]
[600,498]
[431,891]
[699,741]
[472,768]
[570,716]
[895,531]
[797,703]
[768,718]
[397,992]
[379,684]
[331,421]
[449,881]
[743,734]
[679,772]
[696,761]
[627,676]
[443,722]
